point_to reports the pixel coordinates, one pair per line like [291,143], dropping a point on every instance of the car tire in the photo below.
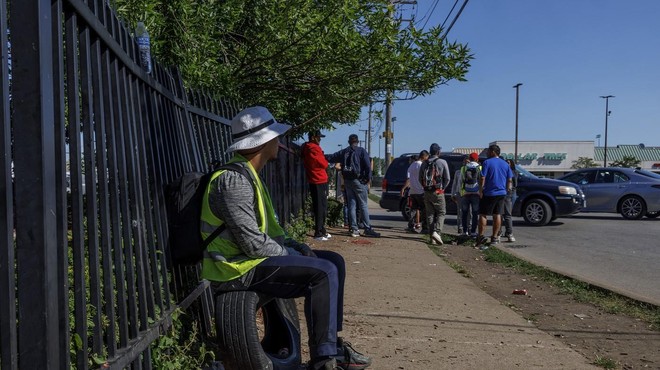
[537,212]
[653,214]
[238,337]
[632,207]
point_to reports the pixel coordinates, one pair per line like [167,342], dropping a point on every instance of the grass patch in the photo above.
[374,197]
[580,291]
[605,363]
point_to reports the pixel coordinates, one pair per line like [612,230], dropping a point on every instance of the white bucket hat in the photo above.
[253,127]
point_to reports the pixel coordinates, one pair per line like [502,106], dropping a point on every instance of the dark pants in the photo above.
[319,193]
[320,280]
[470,203]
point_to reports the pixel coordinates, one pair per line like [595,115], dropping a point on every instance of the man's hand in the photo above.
[305,250]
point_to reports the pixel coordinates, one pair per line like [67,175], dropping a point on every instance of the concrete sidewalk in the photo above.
[408,309]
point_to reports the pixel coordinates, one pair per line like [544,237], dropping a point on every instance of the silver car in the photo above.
[632,192]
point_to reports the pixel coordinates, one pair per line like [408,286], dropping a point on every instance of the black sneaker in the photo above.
[350,359]
[481,240]
[372,233]
[323,364]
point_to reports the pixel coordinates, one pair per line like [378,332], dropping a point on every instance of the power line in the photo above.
[435,4]
[456,18]
[449,14]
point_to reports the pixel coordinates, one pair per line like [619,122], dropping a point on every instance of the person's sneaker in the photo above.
[510,238]
[350,359]
[372,233]
[436,237]
[355,233]
[473,235]
[418,228]
[460,231]
[324,364]
[494,240]
[321,238]
[327,236]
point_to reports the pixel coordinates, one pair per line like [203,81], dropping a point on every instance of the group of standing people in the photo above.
[478,189]
[355,169]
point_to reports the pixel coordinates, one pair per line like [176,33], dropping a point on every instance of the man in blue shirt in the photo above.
[356,172]
[496,181]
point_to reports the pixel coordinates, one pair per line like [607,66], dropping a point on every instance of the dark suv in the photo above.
[539,200]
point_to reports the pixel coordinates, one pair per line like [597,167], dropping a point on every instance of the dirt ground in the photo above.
[628,342]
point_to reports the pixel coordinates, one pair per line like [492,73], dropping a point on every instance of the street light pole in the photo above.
[607,114]
[515,155]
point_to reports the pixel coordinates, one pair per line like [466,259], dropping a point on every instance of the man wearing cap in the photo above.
[317,177]
[434,192]
[254,253]
[470,177]
[356,172]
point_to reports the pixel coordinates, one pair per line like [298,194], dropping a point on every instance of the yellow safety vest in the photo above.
[224,260]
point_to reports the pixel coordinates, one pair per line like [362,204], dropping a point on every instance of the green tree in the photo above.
[583,162]
[312,62]
[626,161]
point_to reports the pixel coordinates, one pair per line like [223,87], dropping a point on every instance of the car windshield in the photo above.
[524,173]
[648,174]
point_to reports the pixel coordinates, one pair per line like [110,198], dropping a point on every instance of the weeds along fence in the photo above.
[88,141]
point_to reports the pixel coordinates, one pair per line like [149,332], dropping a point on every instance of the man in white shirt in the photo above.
[416,193]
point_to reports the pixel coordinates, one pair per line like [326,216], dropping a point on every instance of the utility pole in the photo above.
[607,114]
[369,131]
[515,155]
[388,135]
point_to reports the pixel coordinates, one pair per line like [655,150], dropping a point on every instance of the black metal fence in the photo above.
[88,140]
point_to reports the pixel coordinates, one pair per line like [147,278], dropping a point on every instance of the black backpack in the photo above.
[349,168]
[429,174]
[183,199]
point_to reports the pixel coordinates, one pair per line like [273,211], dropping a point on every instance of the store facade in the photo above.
[553,159]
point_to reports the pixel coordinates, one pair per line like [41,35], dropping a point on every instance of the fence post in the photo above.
[34,164]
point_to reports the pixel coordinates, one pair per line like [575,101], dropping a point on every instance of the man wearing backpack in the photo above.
[356,172]
[470,178]
[254,253]
[434,177]
[317,177]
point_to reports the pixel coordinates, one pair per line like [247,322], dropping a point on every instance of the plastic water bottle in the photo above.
[144,44]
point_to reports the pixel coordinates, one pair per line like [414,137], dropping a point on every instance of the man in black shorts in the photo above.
[496,181]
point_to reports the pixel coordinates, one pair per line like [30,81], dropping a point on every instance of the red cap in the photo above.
[474,157]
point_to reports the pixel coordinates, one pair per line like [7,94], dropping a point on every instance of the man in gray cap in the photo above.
[254,253]
[356,172]
[434,177]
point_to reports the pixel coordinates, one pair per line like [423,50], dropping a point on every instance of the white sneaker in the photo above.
[436,237]
[328,236]
[355,233]
[511,239]
[321,238]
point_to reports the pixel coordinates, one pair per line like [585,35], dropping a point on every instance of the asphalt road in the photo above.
[602,249]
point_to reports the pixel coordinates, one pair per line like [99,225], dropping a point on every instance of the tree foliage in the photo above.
[311,62]
[583,162]
[627,162]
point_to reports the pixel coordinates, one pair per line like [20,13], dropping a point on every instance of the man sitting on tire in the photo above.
[253,252]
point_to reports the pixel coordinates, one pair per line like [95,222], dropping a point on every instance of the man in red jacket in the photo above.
[317,177]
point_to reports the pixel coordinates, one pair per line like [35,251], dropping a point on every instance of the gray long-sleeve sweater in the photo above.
[232,199]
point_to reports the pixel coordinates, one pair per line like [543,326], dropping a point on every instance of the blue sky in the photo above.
[566,53]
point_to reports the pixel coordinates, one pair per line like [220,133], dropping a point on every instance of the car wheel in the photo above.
[236,315]
[404,206]
[653,214]
[537,212]
[632,207]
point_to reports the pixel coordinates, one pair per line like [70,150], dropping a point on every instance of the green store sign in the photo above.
[533,156]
